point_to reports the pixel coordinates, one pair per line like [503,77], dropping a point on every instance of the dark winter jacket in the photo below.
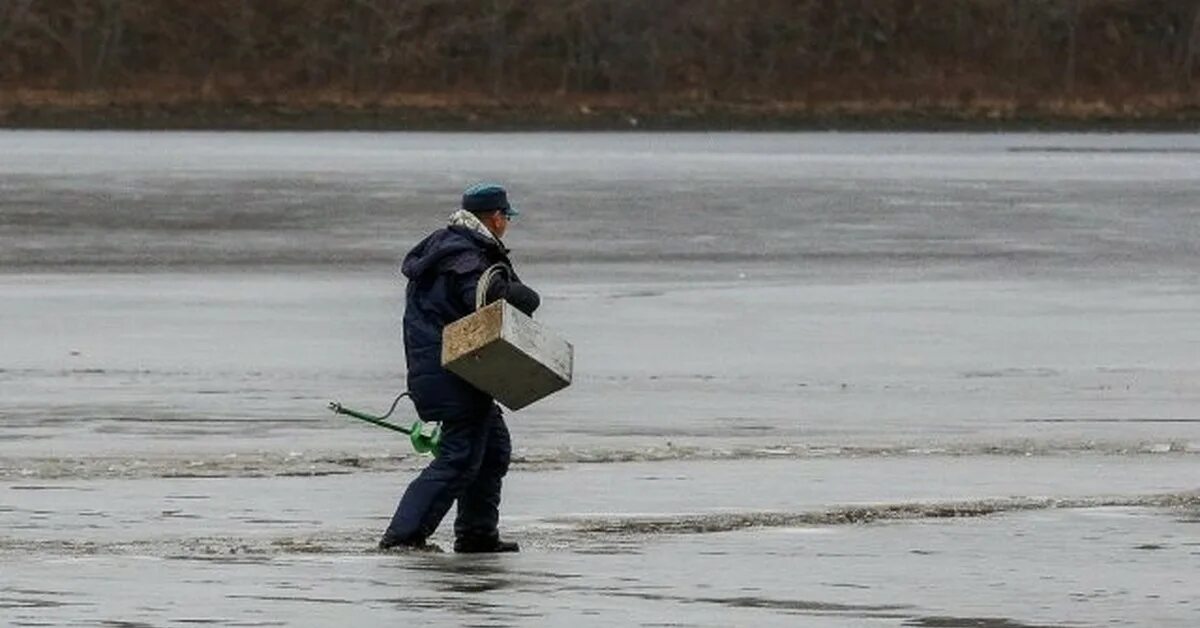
[443,271]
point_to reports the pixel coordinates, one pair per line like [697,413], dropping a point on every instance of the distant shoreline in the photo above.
[99,111]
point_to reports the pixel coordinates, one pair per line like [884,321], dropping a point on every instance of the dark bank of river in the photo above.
[100,112]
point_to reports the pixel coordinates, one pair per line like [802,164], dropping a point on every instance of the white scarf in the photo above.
[467,220]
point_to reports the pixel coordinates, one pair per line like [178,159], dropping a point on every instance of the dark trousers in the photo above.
[471,463]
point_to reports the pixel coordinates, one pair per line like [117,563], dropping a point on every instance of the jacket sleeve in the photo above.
[466,281]
[518,294]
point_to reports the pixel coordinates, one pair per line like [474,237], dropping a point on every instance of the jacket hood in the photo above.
[442,245]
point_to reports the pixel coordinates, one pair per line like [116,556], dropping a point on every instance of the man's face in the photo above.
[497,222]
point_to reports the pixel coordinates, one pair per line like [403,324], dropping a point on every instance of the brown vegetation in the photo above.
[598,62]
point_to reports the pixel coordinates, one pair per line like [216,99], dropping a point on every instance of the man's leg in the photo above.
[428,498]
[476,524]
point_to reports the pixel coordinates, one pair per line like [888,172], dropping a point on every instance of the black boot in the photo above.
[391,545]
[474,545]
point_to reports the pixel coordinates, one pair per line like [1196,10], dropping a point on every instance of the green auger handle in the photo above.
[422,441]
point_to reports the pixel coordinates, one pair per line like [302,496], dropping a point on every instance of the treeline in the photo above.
[648,50]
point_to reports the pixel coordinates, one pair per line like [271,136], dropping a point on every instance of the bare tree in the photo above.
[1072,17]
[12,14]
[89,33]
[1189,47]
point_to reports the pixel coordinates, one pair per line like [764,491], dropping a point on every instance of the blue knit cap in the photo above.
[483,197]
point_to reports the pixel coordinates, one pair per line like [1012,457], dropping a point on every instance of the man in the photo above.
[443,273]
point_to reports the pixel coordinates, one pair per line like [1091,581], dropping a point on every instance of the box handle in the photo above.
[485,280]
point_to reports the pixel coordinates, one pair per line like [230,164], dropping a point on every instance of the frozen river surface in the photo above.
[822,379]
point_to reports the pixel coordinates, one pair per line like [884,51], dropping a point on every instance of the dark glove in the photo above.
[518,294]
[523,297]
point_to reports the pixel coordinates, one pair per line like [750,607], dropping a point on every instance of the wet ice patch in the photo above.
[707,523]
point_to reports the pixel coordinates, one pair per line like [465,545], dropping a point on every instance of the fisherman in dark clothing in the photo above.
[443,273]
